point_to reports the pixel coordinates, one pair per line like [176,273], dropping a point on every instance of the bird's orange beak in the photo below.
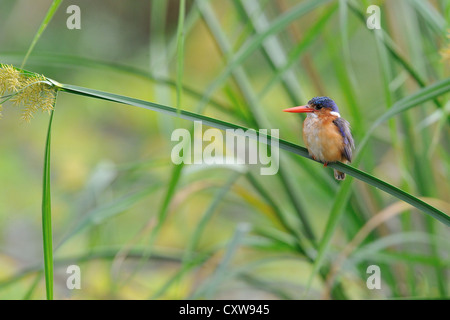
[300,109]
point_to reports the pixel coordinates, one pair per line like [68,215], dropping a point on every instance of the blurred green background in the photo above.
[219,234]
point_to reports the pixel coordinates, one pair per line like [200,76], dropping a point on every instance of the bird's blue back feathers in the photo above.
[344,129]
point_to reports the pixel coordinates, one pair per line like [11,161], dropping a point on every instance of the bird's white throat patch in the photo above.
[334,113]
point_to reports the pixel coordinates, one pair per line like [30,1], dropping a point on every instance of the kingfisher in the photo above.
[327,136]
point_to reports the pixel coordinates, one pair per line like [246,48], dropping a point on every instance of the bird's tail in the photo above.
[338,175]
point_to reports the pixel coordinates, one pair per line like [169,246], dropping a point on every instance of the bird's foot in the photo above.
[325,164]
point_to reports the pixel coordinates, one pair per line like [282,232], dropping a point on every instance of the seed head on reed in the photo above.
[30,90]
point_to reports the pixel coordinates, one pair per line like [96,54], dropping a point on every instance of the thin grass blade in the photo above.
[288,146]
[47,217]
[50,13]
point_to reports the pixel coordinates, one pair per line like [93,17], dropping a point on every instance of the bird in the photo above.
[326,134]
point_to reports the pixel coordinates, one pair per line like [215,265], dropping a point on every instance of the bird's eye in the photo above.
[318,107]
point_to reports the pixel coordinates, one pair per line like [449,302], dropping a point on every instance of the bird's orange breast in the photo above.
[322,138]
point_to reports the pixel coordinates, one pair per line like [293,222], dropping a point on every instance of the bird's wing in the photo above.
[344,129]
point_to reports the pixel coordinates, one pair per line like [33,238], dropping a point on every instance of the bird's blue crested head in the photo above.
[323,102]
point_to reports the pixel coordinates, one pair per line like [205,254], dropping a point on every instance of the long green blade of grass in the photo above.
[50,13]
[391,48]
[288,146]
[259,117]
[109,253]
[425,94]
[219,275]
[177,169]
[180,52]
[308,38]
[106,211]
[272,47]
[254,43]
[46,197]
[336,212]
[268,198]
[195,239]
[47,217]
[189,257]
[68,61]
[162,214]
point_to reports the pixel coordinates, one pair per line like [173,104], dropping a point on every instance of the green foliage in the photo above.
[309,236]
[47,234]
